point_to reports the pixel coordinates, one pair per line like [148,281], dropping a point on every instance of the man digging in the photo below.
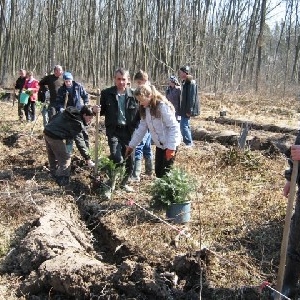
[68,125]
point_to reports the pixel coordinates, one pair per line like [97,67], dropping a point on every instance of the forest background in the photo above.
[229,44]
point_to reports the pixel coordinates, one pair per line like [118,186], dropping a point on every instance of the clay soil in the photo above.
[71,243]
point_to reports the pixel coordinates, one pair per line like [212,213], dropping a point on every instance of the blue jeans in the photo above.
[144,148]
[186,130]
[45,114]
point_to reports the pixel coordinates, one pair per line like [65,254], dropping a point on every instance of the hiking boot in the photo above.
[62,180]
[136,173]
[127,188]
[148,166]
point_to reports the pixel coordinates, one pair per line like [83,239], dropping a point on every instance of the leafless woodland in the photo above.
[230,44]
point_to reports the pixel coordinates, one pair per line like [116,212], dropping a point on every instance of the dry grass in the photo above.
[238,210]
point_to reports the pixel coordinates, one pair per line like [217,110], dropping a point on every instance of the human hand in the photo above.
[128,151]
[96,109]
[295,152]
[90,163]
[286,189]
[170,154]
[61,109]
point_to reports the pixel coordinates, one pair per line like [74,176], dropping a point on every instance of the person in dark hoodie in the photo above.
[189,104]
[70,124]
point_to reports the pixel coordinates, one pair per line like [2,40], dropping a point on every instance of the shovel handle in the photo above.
[97,135]
[286,230]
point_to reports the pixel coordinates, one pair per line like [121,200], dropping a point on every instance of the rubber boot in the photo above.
[291,276]
[148,166]
[136,173]
[69,146]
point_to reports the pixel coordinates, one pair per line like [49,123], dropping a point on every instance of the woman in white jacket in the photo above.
[157,115]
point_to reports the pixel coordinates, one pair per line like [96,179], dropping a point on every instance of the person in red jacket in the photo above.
[31,85]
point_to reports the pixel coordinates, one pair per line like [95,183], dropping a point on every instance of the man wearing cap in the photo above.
[53,82]
[189,104]
[72,94]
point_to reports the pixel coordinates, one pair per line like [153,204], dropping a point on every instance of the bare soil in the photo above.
[71,243]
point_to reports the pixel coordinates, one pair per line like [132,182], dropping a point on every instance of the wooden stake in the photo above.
[97,136]
[286,230]
[66,100]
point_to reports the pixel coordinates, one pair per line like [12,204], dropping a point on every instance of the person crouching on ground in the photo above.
[157,115]
[68,125]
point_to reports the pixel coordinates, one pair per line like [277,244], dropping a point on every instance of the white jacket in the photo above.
[165,131]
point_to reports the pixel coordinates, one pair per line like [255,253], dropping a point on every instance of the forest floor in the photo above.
[71,243]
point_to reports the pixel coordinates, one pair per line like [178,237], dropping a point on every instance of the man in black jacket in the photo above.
[53,82]
[120,109]
[189,104]
[19,86]
[68,125]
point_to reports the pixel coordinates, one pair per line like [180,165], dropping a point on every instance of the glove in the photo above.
[90,163]
[128,151]
[61,109]
[170,154]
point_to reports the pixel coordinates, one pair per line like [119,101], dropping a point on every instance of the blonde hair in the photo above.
[156,99]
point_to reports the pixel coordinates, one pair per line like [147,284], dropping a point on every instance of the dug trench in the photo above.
[75,245]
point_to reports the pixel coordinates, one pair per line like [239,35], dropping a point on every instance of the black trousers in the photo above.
[294,236]
[117,143]
[162,166]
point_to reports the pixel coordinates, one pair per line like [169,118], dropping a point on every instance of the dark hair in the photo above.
[185,69]
[87,110]
[141,75]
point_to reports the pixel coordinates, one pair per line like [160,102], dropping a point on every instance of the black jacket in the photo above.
[109,109]
[69,125]
[190,103]
[20,83]
[53,83]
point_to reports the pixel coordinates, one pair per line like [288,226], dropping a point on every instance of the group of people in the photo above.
[134,119]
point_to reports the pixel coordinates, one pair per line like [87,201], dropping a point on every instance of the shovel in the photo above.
[286,230]
[97,136]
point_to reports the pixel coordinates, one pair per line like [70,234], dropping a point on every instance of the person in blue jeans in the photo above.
[189,104]
[144,148]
